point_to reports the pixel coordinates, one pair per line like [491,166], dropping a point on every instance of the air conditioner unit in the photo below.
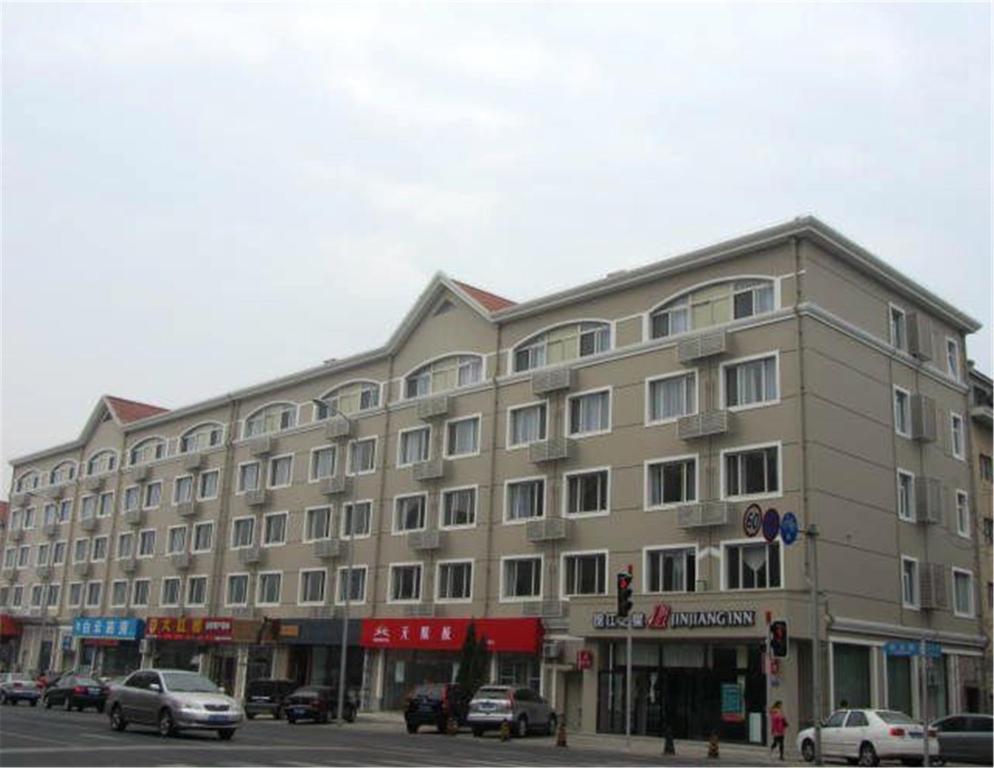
[88,523]
[552,380]
[180,560]
[433,469]
[702,345]
[424,541]
[262,446]
[552,650]
[336,485]
[704,424]
[328,548]
[706,514]
[337,428]
[133,517]
[187,509]
[50,530]
[919,336]
[250,555]
[928,500]
[552,449]
[16,534]
[922,418]
[128,564]
[421,610]
[193,461]
[138,474]
[546,529]
[934,589]
[546,609]
[256,498]
[433,407]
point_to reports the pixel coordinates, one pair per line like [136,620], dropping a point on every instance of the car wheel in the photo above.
[553,724]
[117,721]
[166,726]
[412,728]
[478,732]
[250,715]
[34,702]
[225,734]
[867,754]
[521,728]
[68,704]
[808,751]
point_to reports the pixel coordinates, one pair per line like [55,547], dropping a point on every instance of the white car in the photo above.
[867,736]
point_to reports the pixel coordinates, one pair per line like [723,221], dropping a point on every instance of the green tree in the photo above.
[474,661]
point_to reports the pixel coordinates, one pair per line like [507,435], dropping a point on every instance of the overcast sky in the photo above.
[197,198]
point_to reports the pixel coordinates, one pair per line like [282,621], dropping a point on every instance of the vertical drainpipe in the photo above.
[384,516]
[488,561]
[977,532]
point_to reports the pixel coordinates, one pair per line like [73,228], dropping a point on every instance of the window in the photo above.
[9,557]
[62,473]
[952,358]
[956,437]
[280,471]
[405,582]
[522,578]
[348,399]
[271,418]
[146,543]
[248,477]
[355,586]
[87,508]
[152,449]
[170,591]
[36,594]
[52,595]
[587,492]
[208,484]
[29,518]
[132,498]
[25,552]
[153,495]
[183,489]
[17,596]
[455,580]
[962,593]
[269,589]
[59,553]
[356,519]
[176,540]
[125,545]
[201,437]
[751,382]
[237,589]
[41,556]
[139,592]
[322,463]
[752,472]
[526,424]
[905,495]
[671,481]
[119,593]
[414,446]
[242,532]
[274,529]
[445,374]
[898,328]
[105,508]
[671,569]
[902,412]
[525,499]
[988,531]
[94,591]
[712,305]
[99,549]
[459,508]
[81,551]
[312,587]
[671,397]
[196,590]
[462,438]
[410,512]
[585,574]
[752,566]
[362,456]
[562,344]
[909,582]
[317,523]
[752,297]
[203,537]
[986,468]
[104,461]
[50,516]
[590,414]
[963,514]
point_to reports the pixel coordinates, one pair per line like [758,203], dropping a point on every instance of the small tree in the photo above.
[474,661]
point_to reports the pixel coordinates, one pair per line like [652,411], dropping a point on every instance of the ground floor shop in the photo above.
[10,639]
[309,651]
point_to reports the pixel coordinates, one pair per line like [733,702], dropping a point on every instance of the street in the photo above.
[35,737]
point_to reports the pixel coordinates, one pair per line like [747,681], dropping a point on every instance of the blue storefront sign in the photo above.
[912,648]
[107,628]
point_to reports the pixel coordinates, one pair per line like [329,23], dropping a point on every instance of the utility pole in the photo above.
[812,535]
[628,683]
[923,655]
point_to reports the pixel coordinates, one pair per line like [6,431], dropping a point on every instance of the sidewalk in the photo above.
[731,753]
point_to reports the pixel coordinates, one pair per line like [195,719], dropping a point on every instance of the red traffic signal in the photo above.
[624,594]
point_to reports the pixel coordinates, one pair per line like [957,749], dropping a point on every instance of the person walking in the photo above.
[778,727]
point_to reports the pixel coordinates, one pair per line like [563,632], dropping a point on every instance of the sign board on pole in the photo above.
[752,520]
[788,528]
[933,650]
[771,525]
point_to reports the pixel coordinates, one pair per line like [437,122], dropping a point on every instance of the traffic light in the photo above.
[624,594]
[778,639]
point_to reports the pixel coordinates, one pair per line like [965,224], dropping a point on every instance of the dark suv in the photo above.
[434,704]
[265,697]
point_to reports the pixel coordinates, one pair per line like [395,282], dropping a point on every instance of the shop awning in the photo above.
[9,626]
[522,635]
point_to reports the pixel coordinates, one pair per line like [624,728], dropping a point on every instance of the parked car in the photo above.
[521,708]
[265,697]
[434,704]
[76,691]
[868,736]
[173,700]
[16,686]
[966,738]
[318,703]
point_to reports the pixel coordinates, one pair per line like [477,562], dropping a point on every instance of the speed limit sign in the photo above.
[752,520]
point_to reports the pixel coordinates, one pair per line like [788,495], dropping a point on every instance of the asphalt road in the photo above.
[38,737]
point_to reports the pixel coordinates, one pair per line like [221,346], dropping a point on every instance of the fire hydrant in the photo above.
[451,726]
[713,745]
[505,731]
[669,748]
[561,734]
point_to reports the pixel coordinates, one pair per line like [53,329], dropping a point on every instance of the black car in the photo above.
[966,738]
[76,691]
[434,704]
[318,703]
[266,696]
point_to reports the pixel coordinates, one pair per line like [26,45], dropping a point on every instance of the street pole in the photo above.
[812,535]
[924,695]
[343,651]
[628,683]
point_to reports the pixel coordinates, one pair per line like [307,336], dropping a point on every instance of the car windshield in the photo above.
[187,682]
[85,681]
[19,677]
[493,693]
[429,689]
[894,718]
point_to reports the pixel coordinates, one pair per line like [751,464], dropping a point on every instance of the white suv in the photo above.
[521,708]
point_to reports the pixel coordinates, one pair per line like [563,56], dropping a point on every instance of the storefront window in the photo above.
[406,669]
[519,671]
[938,698]
[851,674]
[899,683]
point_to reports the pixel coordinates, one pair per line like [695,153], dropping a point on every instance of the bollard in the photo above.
[669,748]
[561,734]
[451,726]
[713,745]
[505,731]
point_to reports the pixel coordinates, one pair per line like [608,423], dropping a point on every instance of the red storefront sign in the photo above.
[9,626]
[209,630]
[503,635]
[584,659]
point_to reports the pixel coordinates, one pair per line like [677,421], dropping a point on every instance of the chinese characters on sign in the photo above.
[507,635]
[183,628]
[107,628]
[663,617]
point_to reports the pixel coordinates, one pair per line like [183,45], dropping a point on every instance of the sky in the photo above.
[201,197]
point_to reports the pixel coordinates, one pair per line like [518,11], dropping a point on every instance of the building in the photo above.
[981,400]
[501,462]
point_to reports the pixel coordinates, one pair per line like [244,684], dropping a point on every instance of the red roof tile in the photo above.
[490,301]
[128,411]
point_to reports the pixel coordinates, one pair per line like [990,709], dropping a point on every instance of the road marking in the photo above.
[173,747]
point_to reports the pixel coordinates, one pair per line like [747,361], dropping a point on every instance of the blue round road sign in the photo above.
[771,524]
[788,528]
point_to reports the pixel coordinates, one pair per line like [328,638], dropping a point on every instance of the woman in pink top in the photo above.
[778,726]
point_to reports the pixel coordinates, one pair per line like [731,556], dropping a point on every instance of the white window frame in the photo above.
[441,507]
[193,536]
[438,579]
[70,603]
[565,492]
[581,553]
[778,444]
[349,469]
[400,445]
[300,586]
[756,541]
[972,613]
[186,540]
[93,549]
[421,583]
[124,498]
[507,498]
[127,593]
[960,495]
[285,514]
[502,595]
[915,604]
[186,590]
[647,496]
[953,419]
[649,549]
[569,407]
[447,450]
[283,405]
[311,478]
[146,492]
[180,594]
[341,521]
[953,344]
[912,515]
[198,487]
[341,572]
[508,445]
[648,420]
[239,491]
[231,535]
[395,530]
[891,308]
[100,593]
[269,471]
[304,535]
[906,411]
[227,589]
[148,592]
[193,488]
[258,588]
[722,385]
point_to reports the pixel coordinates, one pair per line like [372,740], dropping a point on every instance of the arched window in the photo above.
[444,374]
[712,305]
[561,344]
[201,437]
[271,418]
[62,472]
[102,461]
[355,397]
[27,482]
[150,449]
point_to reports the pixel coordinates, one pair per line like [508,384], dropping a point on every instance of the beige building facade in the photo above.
[501,462]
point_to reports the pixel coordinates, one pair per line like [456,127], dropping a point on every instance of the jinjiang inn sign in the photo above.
[664,617]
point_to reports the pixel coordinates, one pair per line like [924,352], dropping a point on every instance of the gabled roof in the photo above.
[490,301]
[127,411]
